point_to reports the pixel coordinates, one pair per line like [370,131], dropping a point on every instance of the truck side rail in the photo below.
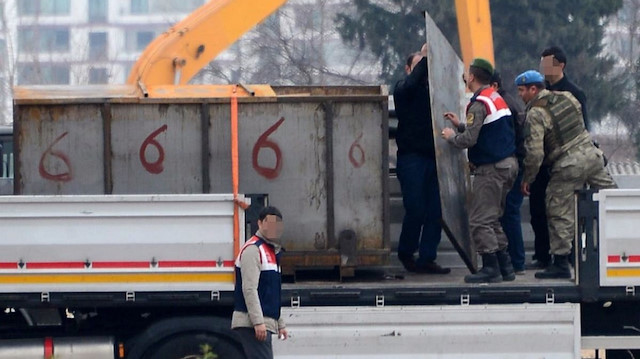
[117,243]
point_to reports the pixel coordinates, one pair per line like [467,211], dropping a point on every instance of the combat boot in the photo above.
[559,269]
[506,268]
[490,272]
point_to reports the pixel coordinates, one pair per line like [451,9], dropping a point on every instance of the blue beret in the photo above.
[529,77]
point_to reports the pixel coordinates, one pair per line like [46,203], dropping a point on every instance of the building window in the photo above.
[98,75]
[164,6]
[33,39]
[43,74]
[44,7]
[139,6]
[143,38]
[98,49]
[98,10]
[137,40]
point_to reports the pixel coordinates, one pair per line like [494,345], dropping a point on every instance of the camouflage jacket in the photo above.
[539,145]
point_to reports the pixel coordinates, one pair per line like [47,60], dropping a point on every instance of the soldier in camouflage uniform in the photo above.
[555,135]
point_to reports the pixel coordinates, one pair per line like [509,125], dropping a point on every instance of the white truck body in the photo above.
[182,243]
[519,331]
[619,237]
[123,243]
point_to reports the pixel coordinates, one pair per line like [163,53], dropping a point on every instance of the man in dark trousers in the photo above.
[416,170]
[511,220]
[258,283]
[488,134]
[552,64]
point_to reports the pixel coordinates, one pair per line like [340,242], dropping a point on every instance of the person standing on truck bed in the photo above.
[511,220]
[555,135]
[552,64]
[258,284]
[488,134]
[416,169]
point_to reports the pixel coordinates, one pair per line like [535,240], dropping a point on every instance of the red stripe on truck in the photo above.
[116,265]
[48,348]
[55,265]
[619,259]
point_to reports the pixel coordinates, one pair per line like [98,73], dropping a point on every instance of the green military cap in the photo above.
[482,64]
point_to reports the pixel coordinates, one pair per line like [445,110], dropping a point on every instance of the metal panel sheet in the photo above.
[60,149]
[281,151]
[619,210]
[521,331]
[358,136]
[156,148]
[447,95]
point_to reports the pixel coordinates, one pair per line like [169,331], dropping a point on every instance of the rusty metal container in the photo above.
[320,153]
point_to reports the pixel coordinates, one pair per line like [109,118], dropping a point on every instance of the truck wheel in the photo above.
[189,346]
[184,337]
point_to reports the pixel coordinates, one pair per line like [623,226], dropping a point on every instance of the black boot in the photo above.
[559,269]
[490,272]
[506,268]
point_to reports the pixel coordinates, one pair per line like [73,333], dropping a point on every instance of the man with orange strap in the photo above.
[258,283]
[489,135]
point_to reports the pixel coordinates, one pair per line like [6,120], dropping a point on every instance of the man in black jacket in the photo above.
[552,64]
[416,169]
[511,220]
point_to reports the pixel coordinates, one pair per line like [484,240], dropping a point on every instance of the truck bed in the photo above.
[393,285]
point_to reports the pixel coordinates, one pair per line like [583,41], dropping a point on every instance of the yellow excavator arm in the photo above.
[474,28]
[174,57]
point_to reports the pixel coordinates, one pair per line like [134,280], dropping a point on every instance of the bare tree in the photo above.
[621,133]
[296,45]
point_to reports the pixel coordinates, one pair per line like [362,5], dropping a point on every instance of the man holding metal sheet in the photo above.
[416,169]
[555,135]
[489,136]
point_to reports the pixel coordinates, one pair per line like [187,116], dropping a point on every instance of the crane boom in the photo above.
[474,29]
[177,55]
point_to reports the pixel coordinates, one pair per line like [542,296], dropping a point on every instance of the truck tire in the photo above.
[183,338]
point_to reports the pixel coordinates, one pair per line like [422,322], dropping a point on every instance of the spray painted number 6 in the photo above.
[356,153]
[265,142]
[153,167]
[50,152]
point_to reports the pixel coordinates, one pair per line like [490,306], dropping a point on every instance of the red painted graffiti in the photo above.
[60,177]
[358,161]
[265,142]
[156,166]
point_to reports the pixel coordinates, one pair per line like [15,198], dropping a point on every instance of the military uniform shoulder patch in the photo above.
[470,118]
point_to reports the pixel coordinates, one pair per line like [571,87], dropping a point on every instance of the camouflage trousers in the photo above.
[491,183]
[569,174]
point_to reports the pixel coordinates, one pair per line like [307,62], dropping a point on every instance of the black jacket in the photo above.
[567,85]
[517,114]
[413,109]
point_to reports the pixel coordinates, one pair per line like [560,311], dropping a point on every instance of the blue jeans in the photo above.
[421,227]
[512,224]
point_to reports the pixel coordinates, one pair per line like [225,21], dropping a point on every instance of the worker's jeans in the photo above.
[421,228]
[512,223]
